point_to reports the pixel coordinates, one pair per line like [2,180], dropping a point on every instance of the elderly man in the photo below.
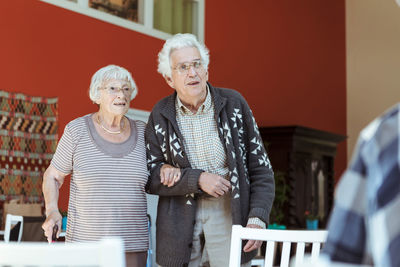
[222,174]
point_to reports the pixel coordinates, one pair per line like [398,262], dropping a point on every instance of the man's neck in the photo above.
[194,104]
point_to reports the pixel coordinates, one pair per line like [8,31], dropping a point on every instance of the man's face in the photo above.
[188,78]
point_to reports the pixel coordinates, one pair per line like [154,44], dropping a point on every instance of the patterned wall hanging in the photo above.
[28,139]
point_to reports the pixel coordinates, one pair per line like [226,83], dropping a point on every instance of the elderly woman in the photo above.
[105,154]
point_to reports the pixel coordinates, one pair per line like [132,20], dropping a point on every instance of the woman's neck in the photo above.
[112,124]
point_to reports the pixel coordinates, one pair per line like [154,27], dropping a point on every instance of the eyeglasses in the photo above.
[113,90]
[183,68]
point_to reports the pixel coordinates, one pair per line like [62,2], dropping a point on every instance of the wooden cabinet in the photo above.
[305,158]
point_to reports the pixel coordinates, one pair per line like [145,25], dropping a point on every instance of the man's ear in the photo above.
[169,81]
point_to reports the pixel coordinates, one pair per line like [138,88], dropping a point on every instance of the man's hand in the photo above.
[252,244]
[213,184]
[169,175]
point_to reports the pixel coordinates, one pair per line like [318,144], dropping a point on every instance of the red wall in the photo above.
[46,50]
[286,57]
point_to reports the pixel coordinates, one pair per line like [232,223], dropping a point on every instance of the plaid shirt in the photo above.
[205,150]
[365,223]
[200,137]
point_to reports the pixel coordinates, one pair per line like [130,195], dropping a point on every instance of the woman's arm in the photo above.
[52,181]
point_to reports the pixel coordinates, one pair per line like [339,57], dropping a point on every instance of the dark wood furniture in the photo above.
[305,158]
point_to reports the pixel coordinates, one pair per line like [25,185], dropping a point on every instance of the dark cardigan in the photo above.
[250,173]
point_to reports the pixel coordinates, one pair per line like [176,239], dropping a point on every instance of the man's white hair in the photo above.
[178,41]
[107,73]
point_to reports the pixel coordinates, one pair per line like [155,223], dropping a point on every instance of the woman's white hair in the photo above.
[107,73]
[178,41]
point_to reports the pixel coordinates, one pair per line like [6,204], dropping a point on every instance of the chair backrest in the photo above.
[105,253]
[10,221]
[287,237]
[33,229]
[324,261]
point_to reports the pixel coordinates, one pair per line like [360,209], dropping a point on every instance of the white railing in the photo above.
[145,16]
[138,114]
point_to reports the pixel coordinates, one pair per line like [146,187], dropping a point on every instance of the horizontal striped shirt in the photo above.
[107,196]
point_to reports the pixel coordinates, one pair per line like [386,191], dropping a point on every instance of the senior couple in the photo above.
[205,160]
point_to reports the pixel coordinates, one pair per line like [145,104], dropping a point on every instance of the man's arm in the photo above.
[261,175]
[156,142]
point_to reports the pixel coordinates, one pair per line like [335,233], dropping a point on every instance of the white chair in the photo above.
[323,261]
[287,237]
[105,253]
[10,221]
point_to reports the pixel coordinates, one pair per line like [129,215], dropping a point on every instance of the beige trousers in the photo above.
[212,233]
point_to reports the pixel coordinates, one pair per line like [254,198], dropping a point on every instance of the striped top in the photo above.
[107,196]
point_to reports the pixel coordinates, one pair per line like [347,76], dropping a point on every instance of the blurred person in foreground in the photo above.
[364,227]
[210,136]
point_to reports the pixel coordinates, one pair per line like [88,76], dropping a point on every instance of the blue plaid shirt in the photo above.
[365,224]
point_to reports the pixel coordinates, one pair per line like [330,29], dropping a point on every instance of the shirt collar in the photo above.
[204,108]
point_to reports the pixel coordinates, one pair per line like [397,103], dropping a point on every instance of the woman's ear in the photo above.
[169,81]
[97,101]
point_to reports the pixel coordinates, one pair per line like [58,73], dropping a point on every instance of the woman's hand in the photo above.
[52,219]
[169,175]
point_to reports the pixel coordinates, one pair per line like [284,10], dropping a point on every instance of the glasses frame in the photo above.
[114,90]
[189,65]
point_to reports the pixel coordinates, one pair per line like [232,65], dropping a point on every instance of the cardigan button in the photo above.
[190,245]
[185,265]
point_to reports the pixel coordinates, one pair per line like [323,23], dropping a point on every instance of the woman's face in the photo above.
[115,96]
